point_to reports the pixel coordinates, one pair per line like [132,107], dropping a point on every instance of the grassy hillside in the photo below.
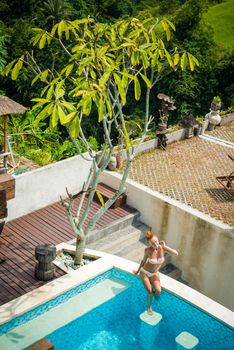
[221,18]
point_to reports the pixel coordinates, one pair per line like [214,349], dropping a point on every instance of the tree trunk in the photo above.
[80,247]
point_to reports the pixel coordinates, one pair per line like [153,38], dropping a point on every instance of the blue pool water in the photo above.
[115,325]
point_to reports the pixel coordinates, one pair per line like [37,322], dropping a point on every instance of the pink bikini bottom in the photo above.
[147,273]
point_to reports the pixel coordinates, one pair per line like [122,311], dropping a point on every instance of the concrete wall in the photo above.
[205,245]
[43,186]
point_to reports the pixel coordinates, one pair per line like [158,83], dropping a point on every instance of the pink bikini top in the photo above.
[156,261]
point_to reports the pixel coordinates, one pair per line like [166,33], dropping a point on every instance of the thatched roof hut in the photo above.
[8,106]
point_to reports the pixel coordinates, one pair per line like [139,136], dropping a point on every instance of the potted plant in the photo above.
[167,104]
[216,103]
[201,126]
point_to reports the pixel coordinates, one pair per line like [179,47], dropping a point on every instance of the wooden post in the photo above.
[5,141]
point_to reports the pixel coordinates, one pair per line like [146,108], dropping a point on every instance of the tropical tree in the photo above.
[103,63]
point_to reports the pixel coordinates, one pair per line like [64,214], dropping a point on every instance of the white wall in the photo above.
[205,245]
[44,186]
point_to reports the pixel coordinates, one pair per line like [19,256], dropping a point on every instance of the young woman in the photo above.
[150,265]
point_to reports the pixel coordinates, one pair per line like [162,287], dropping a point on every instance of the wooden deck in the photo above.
[20,237]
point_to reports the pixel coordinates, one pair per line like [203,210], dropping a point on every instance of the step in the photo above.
[117,241]
[136,252]
[171,271]
[108,192]
[115,226]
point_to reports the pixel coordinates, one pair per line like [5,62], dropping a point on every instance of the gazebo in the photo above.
[8,106]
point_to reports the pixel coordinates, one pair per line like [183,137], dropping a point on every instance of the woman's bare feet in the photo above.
[150,311]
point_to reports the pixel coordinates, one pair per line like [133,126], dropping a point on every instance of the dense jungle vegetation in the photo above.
[192,91]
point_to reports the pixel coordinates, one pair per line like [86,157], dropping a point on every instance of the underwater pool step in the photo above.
[36,329]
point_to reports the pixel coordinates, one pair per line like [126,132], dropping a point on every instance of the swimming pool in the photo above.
[103,313]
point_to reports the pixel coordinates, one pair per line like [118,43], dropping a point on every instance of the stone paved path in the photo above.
[226,132]
[187,172]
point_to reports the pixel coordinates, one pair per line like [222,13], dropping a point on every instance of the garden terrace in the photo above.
[187,172]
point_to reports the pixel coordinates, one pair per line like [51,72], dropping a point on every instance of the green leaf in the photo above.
[146,80]
[109,108]
[36,78]
[75,127]
[122,28]
[166,29]
[54,118]
[68,118]
[168,56]
[137,89]
[54,29]
[86,104]
[50,92]
[191,63]
[61,28]
[44,75]
[93,74]
[40,100]
[69,106]
[125,79]
[170,24]
[127,140]
[145,61]
[15,71]
[184,61]
[176,58]
[101,200]
[69,69]
[44,113]
[61,115]
[7,69]
[42,41]
[104,78]
[113,35]
[101,110]
[59,93]
[120,86]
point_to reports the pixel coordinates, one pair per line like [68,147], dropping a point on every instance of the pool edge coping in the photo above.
[105,262]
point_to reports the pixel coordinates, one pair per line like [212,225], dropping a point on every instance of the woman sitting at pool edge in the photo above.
[150,265]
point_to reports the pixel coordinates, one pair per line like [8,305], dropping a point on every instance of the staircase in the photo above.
[127,238]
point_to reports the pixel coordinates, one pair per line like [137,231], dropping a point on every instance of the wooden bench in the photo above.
[107,192]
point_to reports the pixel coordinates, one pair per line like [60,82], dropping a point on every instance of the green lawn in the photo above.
[221,18]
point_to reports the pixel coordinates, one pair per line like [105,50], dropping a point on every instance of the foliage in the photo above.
[216,99]
[221,18]
[40,144]
[3,49]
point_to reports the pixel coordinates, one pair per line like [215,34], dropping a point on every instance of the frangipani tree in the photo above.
[103,61]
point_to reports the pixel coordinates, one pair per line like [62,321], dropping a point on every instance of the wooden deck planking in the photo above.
[20,237]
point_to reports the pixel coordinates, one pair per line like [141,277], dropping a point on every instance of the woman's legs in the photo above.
[155,282]
[146,281]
